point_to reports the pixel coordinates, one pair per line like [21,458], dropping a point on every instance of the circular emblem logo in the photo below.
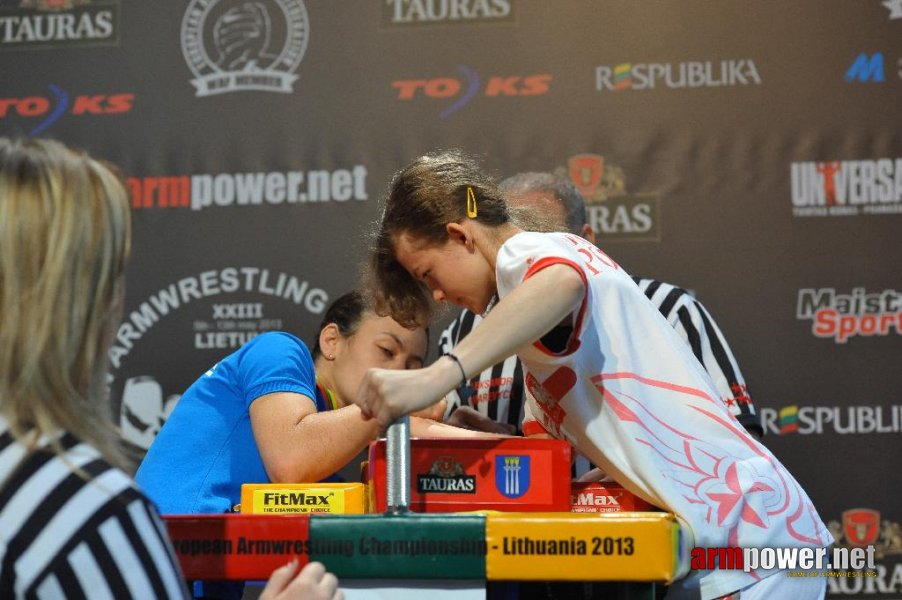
[239,45]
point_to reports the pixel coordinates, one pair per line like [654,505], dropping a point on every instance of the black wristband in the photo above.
[463,374]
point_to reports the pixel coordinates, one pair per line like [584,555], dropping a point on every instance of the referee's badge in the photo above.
[512,475]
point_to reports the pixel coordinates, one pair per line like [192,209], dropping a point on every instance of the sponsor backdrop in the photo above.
[749,152]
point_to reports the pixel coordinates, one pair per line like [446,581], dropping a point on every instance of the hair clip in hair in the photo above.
[471,203]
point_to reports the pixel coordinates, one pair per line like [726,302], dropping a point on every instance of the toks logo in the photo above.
[846,188]
[462,90]
[842,316]
[610,210]
[842,420]
[51,109]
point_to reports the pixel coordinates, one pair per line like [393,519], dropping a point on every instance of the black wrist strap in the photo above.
[463,374]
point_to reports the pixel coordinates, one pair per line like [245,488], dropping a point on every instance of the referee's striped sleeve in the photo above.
[88,535]
[694,323]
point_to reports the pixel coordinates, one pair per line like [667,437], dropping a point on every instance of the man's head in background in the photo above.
[546,202]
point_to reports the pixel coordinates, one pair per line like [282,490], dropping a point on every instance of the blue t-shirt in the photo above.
[206,449]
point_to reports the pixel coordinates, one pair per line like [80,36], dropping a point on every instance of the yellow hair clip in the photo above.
[471,203]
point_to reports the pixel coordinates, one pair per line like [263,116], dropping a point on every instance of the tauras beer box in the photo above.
[508,474]
[294,498]
[597,497]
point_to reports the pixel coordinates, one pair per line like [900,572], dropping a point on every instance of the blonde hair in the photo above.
[65,236]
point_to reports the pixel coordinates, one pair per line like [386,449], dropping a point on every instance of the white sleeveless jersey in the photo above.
[628,394]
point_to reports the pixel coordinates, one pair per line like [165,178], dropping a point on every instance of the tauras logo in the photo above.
[846,187]
[50,109]
[401,13]
[447,477]
[858,313]
[199,192]
[46,23]
[695,74]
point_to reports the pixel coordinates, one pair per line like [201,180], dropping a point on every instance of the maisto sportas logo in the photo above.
[231,45]
[610,210]
[846,188]
[52,23]
[696,74]
[858,313]
[459,91]
[410,13]
[199,192]
[39,112]
[842,420]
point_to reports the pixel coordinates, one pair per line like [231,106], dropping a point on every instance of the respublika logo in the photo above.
[610,210]
[410,13]
[199,192]
[837,188]
[842,420]
[858,313]
[232,45]
[512,475]
[693,74]
[51,23]
[866,68]
[39,112]
[461,90]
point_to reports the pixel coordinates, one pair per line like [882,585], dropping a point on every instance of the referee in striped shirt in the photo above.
[493,400]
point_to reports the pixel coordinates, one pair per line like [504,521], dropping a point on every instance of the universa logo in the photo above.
[843,316]
[232,46]
[842,420]
[407,13]
[47,110]
[461,90]
[49,23]
[201,192]
[610,210]
[838,188]
[694,74]
[866,69]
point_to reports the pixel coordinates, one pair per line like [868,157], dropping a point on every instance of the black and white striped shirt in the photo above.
[64,537]
[498,392]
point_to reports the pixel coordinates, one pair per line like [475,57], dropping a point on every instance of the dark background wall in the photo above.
[748,151]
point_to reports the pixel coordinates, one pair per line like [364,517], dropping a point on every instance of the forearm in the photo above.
[427,428]
[320,444]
